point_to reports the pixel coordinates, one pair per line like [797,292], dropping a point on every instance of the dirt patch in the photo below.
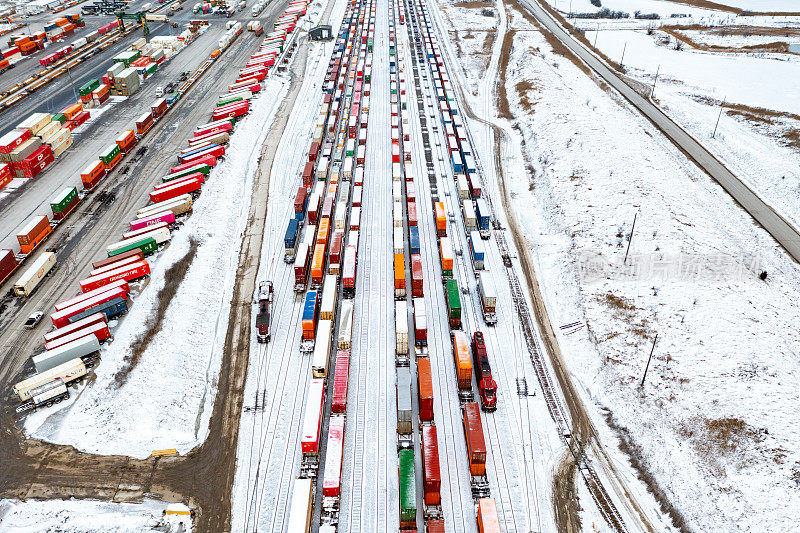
[706,4]
[625,311]
[566,504]
[173,278]
[777,47]
[474,4]
[523,87]
[639,463]
[504,110]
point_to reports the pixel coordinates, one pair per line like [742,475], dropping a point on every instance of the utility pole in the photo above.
[631,237]
[713,135]
[653,90]
[595,36]
[648,360]
[623,54]
[570,9]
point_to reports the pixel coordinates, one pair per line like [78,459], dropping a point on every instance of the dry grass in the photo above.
[523,87]
[504,110]
[706,4]
[474,4]
[625,311]
[778,47]
[783,124]
[173,276]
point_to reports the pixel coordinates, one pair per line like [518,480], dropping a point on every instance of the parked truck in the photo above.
[31,278]
[265,294]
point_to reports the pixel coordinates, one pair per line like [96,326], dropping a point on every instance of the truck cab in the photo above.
[265,293]
[487,387]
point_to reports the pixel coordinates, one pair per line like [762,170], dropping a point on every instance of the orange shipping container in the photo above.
[446,254]
[462,360]
[71,111]
[126,140]
[441,220]
[92,172]
[318,264]
[488,521]
[399,272]
[322,232]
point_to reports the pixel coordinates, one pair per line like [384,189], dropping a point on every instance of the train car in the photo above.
[302,264]
[322,349]
[345,325]
[476,445]
[453,303]
[349,271]
[312,418]
[417,288]
[488,296]
[408,489]
[300,511]
[290,240]
[468,212]
[264,313]
[300,203]
[401,327]
[340,382]
[310,316]
[413,239]
[425,389]
[446,257]
[404,404]
[332,477]
[330,295]
[431,476]
[487,517]
[318,265]
[474,186]
[487,387]
[420,323]
[335,254]
[399,276]
[463,363]
[477,250]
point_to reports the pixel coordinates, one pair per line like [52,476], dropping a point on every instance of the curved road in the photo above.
[777,226]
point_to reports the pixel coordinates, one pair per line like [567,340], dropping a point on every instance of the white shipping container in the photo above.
[398,240]
[302,497]
[322,349]
[70,370]
[329,293]
[401,327]
[345,325]
[178,205]
[397,191]
[160,232]
[469,215]
[34,274]
[341,213]
[355,218]
[397,214]
[66,352]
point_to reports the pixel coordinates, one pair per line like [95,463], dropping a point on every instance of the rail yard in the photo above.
[259,268]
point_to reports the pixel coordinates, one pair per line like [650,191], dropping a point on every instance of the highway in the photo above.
[781,230]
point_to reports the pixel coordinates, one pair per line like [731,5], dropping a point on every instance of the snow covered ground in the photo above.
[86,516]
[175,381]
[719,37]
[720,391]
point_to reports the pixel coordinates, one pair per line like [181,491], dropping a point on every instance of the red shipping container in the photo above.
[195,175]
[144,123]
[37,156]
[159,107]
[308,174]
[200,157]
[198,141]
[332,475]
[5,175]
[8,262]
[416,276]
[425,389]
[132,272]
[431,475]
[412,214]
[61,318]
[340,379]
[218,128]
[35,169]
[300,200]
[335,256]
[313,152]
[13,139]
[98,329]
[233,110]
[476,445]
[91,294]
[119,264]
[81,117]
[175,190]
[436,526]
[97,318]
[209,160]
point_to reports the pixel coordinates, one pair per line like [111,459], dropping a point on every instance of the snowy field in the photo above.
[662,7]
[175,381]
[719,393]
[719,38]
[86,516]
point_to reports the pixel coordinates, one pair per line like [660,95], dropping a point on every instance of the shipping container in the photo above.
[80,348]
[488,520]
[446,256]
[290,240]
[178,205]
[34,274]
[312,417]
[129,273]
[477,250]
[488,296]
[349,271]
[404,405]
[399,276]
[64,374]
[95,325]
[420,323]
[318,264]
[322,348]
[164,217]
[92,174]
[310,315]
[340,382]
[463,361]
[61,318]
[8,263]
[441,220]
[476,445]
[302,504]
[33,233]
[408,489]
[302,264]
[333,457]
[431,476]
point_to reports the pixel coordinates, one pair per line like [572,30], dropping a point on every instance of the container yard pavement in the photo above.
[46,471]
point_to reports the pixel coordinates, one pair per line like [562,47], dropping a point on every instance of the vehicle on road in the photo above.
[33,319]
[265,294]
[159,92]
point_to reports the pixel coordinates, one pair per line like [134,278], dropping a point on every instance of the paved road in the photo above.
[777,226]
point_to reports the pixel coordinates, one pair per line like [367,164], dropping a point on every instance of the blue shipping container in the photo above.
[457,164]
[310,306]
[290,239]
[482,214]
[413,237]
[112,308]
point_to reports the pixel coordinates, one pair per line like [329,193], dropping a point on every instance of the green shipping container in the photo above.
[108,155]
[62,200]
[367,77]
[229,100]
[205,169]
[89,86]
[152,67]
[147,246]
[59,117]
[408,486]
[453,299]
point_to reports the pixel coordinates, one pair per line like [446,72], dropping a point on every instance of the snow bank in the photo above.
[84,516]
[172,389]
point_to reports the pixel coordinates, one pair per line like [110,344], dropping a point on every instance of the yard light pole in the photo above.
[713,135]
